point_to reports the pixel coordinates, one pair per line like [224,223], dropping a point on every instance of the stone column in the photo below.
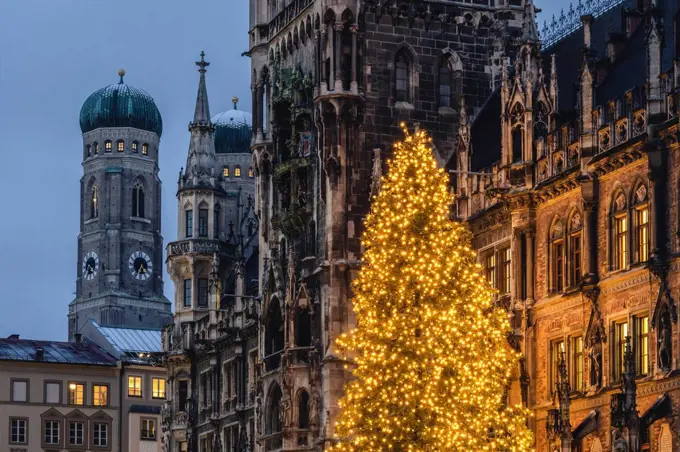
[337,42]
[259,110]
[331,69]
[658,174]
[589,191]
[516,258]
[319,61]
[529,241]
[353,84]
[256,126]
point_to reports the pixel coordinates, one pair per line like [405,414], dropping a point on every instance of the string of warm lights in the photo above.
[430,349]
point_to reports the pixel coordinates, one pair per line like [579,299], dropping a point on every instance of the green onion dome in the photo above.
[233,131]
[120,105]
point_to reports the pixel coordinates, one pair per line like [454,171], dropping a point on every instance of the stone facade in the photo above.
[120,228]
[572,197]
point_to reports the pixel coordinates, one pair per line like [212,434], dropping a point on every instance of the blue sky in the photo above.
[53,54]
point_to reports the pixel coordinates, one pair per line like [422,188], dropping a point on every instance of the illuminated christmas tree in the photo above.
[430,351]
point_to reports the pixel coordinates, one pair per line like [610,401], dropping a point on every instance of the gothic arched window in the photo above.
[272,414]
[557,257]
[619,232]
[303,328]
[574,248]
[402,76]
[273,338]
[517,143]
[138,200]
[641,218]
[303,410]
[94,202]
[107,146]
[445,85]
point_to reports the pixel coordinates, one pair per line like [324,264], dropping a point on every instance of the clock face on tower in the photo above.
[90,265]
[140,265]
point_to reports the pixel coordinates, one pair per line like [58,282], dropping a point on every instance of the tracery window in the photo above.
[619,232]
[402,76]
[557,257]
[575,255]
[138,200]
[445,85]
[94,202]
[641,212]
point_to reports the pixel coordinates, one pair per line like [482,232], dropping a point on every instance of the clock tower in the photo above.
[120,248]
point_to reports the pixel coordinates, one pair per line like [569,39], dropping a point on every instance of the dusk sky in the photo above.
[53,54]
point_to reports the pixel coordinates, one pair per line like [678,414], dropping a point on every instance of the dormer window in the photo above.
[134,147]
[145,149]
[120,145]
[107,146]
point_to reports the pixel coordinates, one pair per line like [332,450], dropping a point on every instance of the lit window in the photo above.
[148,429]
[18,431]
[225,171]
[183,446]
[620,334]
[237,172]
[94,202]
[505,271]
[490,268]
[121,146]
[134,386]
[187,292]
[76,394]
[158,388]
[557,257]
[134,146]
[642,233]
[19,390]
[203,292]
[642,345]
[100,395]
[575,258]
[444,85]
[556,351]
[251,173]
[52,432]
[145,149]
[203,222]
[100,436]
[96,148]
[189,222]
[76,433]
[402,78]
[107,146]
[620,241]
[577,363]
[138,200]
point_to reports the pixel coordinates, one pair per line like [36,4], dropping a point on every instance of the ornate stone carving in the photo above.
[664,343]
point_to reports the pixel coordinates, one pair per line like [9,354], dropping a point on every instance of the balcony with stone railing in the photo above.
[273,441]
[197,246]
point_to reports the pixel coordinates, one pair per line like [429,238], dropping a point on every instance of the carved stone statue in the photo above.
[258,414]
[619,444]
[596,365]
[314,409]
[664,345]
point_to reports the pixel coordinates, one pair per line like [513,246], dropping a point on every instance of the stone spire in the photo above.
[529,29]
[201,159]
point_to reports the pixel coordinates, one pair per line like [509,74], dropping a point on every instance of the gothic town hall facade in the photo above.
[563,154]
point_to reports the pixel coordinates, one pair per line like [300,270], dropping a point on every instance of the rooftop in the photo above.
[83,353]
[129,340]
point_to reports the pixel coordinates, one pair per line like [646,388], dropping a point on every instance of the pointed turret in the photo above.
[529,28]
[201,158]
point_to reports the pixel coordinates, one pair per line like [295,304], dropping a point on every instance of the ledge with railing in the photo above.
[273,441]
[197,246]
[286,15]
[273,361]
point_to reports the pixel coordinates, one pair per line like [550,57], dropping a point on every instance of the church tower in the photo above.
[120,248]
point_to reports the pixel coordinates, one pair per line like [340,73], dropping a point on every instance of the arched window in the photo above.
[237,171]
[225,171]
[557,257]
[575,245]
[619,221]
[272,417]
[145,149]
[251,173]
[273,338]
[94,202]
[88,151]
[107,146]
[120,146]
[449,81]
[303,410]
[641,212]
[96,148]
[303,328]
[402,76]
[138,200]
[134,146]
[517,143]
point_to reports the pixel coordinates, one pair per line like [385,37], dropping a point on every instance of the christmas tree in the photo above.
[431,357]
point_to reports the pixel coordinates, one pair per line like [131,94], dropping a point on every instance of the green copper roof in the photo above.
[120,105]
[233,132]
